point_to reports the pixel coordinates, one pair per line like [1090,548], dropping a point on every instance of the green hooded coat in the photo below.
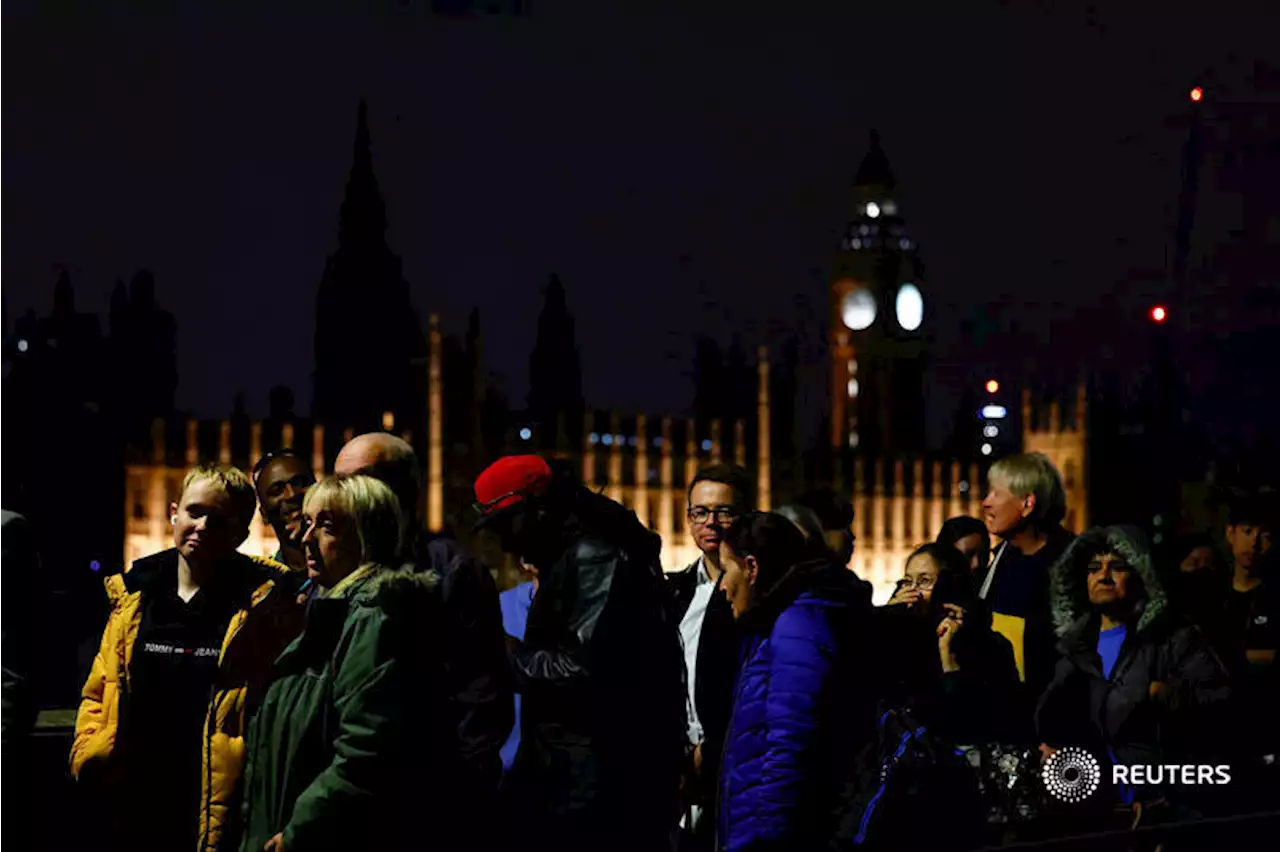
[344,751]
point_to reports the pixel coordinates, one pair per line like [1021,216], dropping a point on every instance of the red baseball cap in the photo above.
[509,481]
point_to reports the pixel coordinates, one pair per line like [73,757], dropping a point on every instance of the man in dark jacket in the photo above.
[1135,685]
[599,671]
[476,665]
[718,494]
[18,566]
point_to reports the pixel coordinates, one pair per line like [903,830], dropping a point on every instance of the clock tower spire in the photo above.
[877,321]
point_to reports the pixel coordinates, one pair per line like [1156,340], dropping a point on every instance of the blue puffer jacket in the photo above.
[799,713]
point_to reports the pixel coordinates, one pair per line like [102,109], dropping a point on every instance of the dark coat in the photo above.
[478,677]
[21,566]
[1038,638]
[1118,715]
[717,667]
[983,702]
[800,712]
[600,673]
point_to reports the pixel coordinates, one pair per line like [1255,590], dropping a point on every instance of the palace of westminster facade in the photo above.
[876,451]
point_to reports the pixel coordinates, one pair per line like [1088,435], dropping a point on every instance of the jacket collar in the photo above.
[244,577]
[820,577]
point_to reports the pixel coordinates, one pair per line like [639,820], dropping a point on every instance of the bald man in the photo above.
[480,678]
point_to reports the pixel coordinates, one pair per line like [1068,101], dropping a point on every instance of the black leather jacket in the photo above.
[601,678]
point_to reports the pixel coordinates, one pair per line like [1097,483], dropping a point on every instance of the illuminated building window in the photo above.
[594,438]
[855,243]
[986,449]
[904,244]
[963,486]
[853,388]
[990,431]
[706,445]
[853,367]
[853,440]
[607,440]
[889,208]
[873,209]
[657,442]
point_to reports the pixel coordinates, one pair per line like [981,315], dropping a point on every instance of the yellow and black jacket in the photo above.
[267,620]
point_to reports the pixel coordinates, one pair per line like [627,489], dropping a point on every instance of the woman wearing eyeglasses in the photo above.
[949,664]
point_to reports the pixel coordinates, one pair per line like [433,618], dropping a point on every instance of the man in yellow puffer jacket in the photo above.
[192,634]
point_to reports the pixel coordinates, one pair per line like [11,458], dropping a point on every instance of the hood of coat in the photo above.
[820,578]
[396,590]
[1069,576]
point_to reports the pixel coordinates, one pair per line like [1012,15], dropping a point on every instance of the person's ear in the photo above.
[173,514]
[1028,505]
[752,569]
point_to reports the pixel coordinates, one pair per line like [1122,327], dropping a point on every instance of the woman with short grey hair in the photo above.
[1025,506]
[345,745]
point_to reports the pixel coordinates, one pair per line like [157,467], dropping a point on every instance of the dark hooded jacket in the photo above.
[477,674]
[601,678]
[1119,719]
[800,712]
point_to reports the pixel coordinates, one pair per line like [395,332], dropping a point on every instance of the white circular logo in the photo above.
[1071,774]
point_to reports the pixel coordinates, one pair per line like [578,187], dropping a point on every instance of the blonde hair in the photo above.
[1032,473]
[373,510]
[232,480]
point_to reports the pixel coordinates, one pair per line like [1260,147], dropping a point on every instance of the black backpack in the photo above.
[911,789]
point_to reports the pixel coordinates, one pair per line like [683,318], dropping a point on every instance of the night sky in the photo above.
[680,172]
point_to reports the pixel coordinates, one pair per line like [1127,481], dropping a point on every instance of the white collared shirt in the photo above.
[691,633]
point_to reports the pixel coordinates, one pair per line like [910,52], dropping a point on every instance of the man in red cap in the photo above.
[600,670]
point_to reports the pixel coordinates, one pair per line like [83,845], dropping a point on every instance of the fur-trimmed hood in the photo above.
[1069,589]
[393,589]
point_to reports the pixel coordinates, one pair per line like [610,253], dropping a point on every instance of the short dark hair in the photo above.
[955,580]
[773,540]
[1184,544]
[961,526]
[282,453]
[732,475]
[833,509]
[1258,508]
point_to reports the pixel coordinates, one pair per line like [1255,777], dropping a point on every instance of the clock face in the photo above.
[858,310]
[909,307]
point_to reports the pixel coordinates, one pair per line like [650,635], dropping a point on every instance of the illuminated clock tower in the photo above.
[878,322]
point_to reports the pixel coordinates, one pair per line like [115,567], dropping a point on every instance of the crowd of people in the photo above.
[369,687]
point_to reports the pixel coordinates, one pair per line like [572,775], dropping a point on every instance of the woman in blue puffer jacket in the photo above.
[800,709]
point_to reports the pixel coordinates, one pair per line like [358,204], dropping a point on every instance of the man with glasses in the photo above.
[718,495]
